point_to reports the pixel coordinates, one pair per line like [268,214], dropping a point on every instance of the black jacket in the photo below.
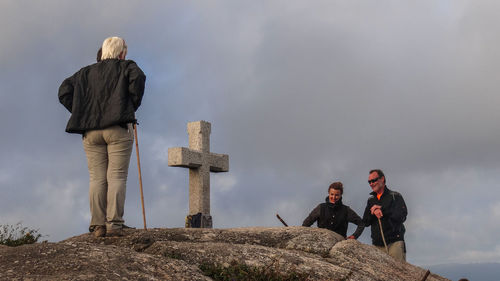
[335,217]
[103,94]
[394,214]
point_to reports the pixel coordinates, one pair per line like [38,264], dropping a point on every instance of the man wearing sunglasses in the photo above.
[386,212]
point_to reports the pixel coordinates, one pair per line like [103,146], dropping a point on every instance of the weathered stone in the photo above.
[86,261]
[200,162]
[251,255]
[369,263]
[176,254]
[312,240]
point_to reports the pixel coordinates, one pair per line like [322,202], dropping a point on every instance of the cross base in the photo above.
[199,221]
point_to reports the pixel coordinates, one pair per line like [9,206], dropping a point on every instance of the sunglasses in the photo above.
[373,180]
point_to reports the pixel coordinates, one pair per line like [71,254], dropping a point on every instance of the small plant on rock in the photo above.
[239,272]
[17,235]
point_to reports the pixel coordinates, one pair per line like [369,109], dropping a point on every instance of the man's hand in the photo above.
[374,207]
[376,210]
[351,237]
[378,213]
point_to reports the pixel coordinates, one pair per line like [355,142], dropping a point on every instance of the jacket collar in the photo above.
[386,191]
[338,203]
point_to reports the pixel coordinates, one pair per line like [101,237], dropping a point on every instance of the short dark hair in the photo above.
[337,186]
[99,55]
[379,173]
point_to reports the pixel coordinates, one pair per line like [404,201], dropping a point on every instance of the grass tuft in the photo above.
[17,235]
[242,272]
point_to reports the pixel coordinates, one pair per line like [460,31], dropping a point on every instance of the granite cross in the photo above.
[200,162]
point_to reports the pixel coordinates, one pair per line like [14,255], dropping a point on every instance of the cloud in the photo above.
[495,211]
[298,94]
[60,210]
[224,183]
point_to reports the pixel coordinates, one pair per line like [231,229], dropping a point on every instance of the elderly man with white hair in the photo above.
[102,99]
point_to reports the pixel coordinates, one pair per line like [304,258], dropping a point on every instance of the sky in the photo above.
[299,94]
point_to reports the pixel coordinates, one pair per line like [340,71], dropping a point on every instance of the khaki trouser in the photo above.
[396,250]
[108,156]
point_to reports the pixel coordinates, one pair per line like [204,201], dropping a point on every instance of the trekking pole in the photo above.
[426,275]
[140,176]
[281,220]
[383,237]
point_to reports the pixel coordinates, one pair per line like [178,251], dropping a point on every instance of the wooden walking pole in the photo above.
[281,220]
[426,275]
[140,176]
[383,237]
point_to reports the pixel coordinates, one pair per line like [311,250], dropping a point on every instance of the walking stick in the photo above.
[281,220]
[426,275]
[140,176]
[383,237]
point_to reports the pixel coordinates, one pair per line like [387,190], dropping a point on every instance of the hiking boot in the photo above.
[99,231]
[118,232]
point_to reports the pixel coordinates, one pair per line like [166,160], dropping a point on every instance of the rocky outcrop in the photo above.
[178,254]
[87,261]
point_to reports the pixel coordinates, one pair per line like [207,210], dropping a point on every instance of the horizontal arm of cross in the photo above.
[184,157]
[218,162]
[188,158]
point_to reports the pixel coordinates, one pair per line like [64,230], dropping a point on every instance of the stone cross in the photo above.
[200,162]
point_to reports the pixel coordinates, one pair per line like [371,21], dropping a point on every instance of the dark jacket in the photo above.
[103,94]
[335,217]
[394,214]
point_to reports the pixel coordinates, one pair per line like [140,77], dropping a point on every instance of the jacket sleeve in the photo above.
[137,81]
[354,218]
[313,216]
[397,211]
[66,93]
[367,216]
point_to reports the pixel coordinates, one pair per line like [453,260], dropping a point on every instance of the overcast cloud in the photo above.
[299,94]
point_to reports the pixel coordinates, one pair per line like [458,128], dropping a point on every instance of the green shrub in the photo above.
[240,272]
[17,235]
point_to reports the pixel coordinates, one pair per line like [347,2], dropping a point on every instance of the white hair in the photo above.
[112,47]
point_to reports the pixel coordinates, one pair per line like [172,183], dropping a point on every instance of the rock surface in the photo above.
[177,254]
